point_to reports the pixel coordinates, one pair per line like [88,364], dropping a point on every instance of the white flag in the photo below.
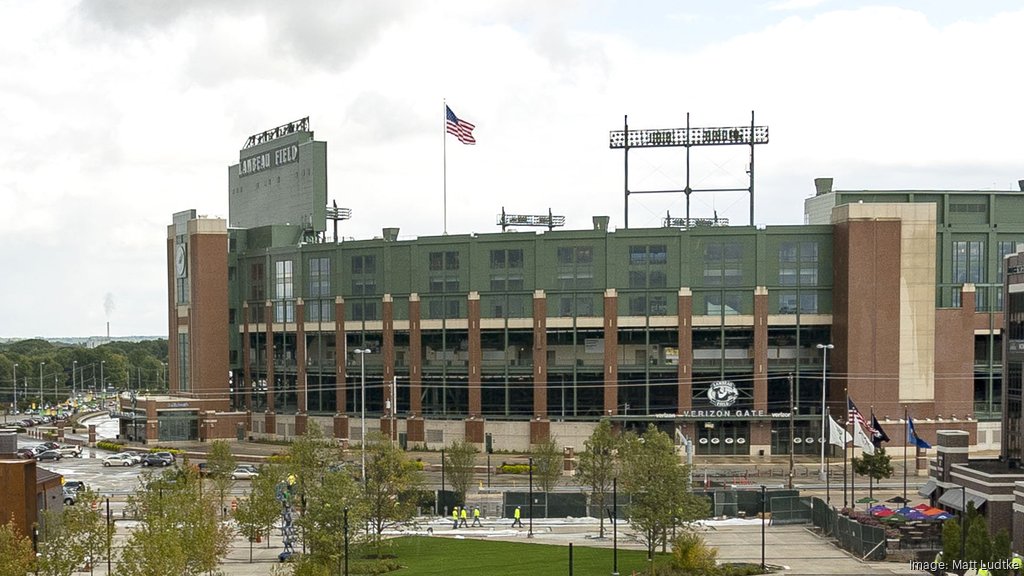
[837,435]
[862,439]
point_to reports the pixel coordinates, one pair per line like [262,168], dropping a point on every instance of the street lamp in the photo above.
[103,383]
[824,440]
[362,404]
[15,387]
[74,381]
[41,364]
[529,533]
[963,520]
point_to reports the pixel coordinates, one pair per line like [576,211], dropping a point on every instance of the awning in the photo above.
[928,489]
[954,499]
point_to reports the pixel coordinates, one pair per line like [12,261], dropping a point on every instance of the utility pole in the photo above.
[792,444]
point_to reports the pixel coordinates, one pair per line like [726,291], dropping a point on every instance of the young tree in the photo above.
[389,480]
[547,464]
[178,530]
[322,524]
[15,550]
[658,486]
[220,464]
[1001,550]
[979,545]
[310,457]
[875,466]
[258,512]
[951,540]
[460,458]
[69,537]
[597,468]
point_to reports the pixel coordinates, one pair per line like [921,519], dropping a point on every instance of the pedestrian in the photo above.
[516,518]
[455,517]
[462,518]
[1016,564]
[984,571]
[476,517]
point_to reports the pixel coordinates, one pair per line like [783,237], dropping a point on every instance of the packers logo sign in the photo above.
[722,394]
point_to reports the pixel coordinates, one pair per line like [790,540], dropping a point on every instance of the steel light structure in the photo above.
[362,405]
[824,439]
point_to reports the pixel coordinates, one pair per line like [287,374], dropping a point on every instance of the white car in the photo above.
[244,472]
[119,459]
[70,450]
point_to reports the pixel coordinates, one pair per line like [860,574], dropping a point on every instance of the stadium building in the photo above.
[710,330]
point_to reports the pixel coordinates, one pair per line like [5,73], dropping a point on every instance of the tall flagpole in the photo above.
[906,448]
[846,428]
[444,163]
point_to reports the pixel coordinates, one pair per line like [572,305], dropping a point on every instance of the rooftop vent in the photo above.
[601,222]
[822,186]
[390,234]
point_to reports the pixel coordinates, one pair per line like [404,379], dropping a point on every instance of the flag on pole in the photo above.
[862,441]
[877,434]
[837,434]
[854,415]
[912,437]
[459,128]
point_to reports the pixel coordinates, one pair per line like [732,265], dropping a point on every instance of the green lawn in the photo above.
[429,556]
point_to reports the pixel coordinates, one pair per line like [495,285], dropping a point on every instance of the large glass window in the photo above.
[507,269]
[798,263]
[723,263]
[575,270]
[284,292]
[969,267]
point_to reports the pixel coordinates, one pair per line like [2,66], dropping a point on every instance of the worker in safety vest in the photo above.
[1017,564]
[984,572]
[455,516]
[462,518]
[516,519]
[476,517]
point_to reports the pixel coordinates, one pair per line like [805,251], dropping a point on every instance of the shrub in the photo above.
[110,445]
[690,554]
[513,468]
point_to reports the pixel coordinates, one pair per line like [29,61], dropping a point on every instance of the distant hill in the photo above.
[86,341]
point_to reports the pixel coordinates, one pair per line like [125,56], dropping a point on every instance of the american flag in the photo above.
[854,415]
[459,128]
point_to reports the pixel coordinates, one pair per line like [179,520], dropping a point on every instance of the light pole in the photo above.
[103,384]
[15,387]
[529,533]
[41,364]
[362,405]
[74,380]
[824,440]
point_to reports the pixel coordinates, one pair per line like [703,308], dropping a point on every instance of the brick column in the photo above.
[684,372]
[271,419]
[152,424]
[474,425]
[540,426]
[414,424]
[611,348]
[760,348]
[340,416]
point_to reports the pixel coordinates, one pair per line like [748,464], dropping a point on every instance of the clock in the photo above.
[180,261]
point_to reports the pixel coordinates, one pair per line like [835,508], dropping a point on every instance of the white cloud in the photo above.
[118,114]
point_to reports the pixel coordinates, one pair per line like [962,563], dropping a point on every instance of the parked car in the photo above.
[48,455]
[169,456]
[154,460]
[26,453]
[74,485]
[70,496]
[119,459]
[136,457]
[50,445]
[245,472]
[72,450]
[204,469]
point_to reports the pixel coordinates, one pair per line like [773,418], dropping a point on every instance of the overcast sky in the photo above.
[118,113]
